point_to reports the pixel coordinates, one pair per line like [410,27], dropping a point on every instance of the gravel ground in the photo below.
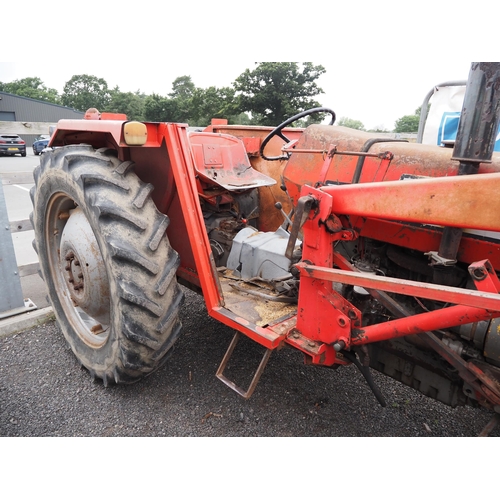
[45,392]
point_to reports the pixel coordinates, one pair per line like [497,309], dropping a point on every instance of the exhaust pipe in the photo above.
[478,125]
[475,142]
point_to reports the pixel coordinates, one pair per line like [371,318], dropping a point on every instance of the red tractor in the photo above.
[348,246]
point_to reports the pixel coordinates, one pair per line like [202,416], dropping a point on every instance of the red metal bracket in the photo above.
[484,276]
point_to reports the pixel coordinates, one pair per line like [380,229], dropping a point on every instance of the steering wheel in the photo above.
[279,128]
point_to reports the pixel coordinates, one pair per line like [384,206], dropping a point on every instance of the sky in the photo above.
[381,58]
[374,98]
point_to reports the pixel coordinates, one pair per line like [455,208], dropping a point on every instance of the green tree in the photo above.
[181,96]
[408,124]
[275,91]
[193,105]
[160,109]
[82,92]
[213,102]
[349,122]
[155,108]
[31,87]
[241,119]
[130,103]
[182,88]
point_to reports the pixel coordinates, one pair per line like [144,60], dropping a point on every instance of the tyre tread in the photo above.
[139,258]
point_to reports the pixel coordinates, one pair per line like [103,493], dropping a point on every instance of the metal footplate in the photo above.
[253,384]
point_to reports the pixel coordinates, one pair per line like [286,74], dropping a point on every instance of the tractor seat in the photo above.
[222,160]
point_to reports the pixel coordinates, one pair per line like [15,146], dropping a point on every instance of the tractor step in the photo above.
[253,384]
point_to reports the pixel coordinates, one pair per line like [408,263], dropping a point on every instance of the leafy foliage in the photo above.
[157,108]
[31,87]
[182,88]
[181,96]
[408,124]
[349,122]
[213,102]
[275,91]
[267,95]
[82,92]
[130,103]
[190,104]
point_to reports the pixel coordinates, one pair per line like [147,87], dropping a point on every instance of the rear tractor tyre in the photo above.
[107,262]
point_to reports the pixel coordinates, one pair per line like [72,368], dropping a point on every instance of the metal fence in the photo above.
[11,295]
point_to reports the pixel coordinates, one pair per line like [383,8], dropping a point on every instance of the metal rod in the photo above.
[465,297]
[420,323]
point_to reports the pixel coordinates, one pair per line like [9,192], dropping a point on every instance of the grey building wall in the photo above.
[23,109]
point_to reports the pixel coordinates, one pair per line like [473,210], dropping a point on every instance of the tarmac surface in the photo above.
[45,392]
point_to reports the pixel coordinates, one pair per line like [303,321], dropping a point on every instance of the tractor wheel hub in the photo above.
[83,268]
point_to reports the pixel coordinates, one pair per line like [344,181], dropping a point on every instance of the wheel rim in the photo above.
[78,270]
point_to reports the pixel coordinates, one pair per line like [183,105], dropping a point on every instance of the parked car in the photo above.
[12,144]
[40,144]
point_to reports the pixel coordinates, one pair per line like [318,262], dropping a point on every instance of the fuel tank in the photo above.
[409,159]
